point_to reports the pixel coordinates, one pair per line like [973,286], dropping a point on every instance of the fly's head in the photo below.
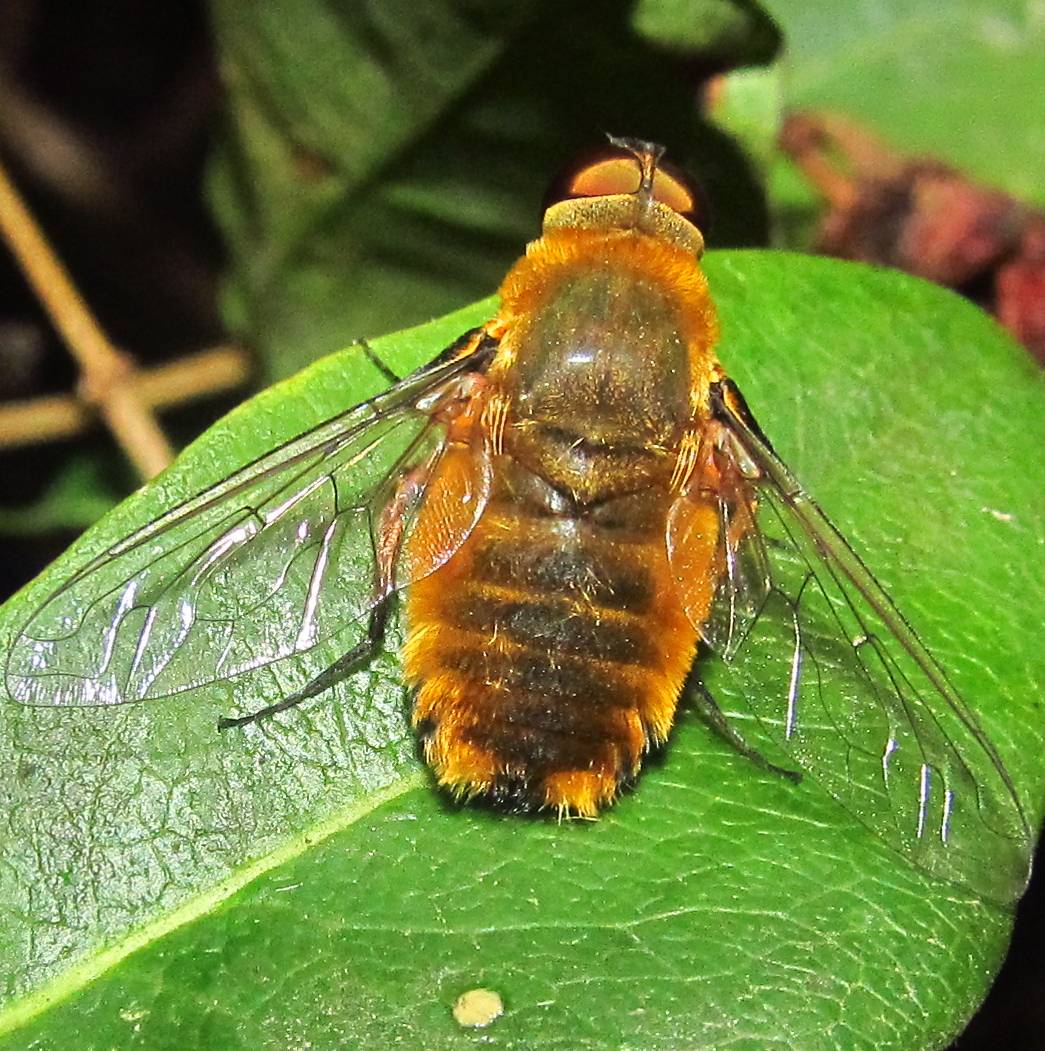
[627,186]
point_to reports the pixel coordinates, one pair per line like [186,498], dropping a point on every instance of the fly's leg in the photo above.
[467,343]
[388,537]
[376,361]
[340,669]
[713,715]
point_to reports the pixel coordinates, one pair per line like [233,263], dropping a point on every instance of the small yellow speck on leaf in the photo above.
[478,1007]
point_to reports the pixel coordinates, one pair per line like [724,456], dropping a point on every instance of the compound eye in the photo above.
[610,171]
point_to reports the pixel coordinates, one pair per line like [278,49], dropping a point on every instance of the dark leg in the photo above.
[713,715]
[340,669]
[378,363]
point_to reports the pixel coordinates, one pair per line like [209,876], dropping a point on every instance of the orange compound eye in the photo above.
[613,170]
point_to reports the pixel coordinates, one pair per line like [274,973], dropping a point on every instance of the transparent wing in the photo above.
[260,570]
[826,662]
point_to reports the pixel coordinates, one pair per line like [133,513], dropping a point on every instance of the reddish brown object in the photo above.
[1020,286]
[925,218]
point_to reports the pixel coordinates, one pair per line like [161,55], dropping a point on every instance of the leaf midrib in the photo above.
[86,971]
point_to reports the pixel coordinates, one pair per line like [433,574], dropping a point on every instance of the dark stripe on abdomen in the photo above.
[543,566]
[556,623]
[589,555]
[541,672]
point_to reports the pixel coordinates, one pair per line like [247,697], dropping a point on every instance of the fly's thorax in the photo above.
[608,345]
[604,354]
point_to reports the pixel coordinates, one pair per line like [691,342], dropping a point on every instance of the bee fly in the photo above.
[579,497]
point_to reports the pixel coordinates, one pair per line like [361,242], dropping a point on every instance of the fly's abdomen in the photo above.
[550,651]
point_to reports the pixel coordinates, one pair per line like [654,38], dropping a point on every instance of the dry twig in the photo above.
[107,376]
[63,415]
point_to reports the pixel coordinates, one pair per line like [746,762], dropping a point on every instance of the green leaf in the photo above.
[302,881]
[384,162]
[730,32]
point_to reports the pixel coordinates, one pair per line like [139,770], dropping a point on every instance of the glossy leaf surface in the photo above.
[303,881]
